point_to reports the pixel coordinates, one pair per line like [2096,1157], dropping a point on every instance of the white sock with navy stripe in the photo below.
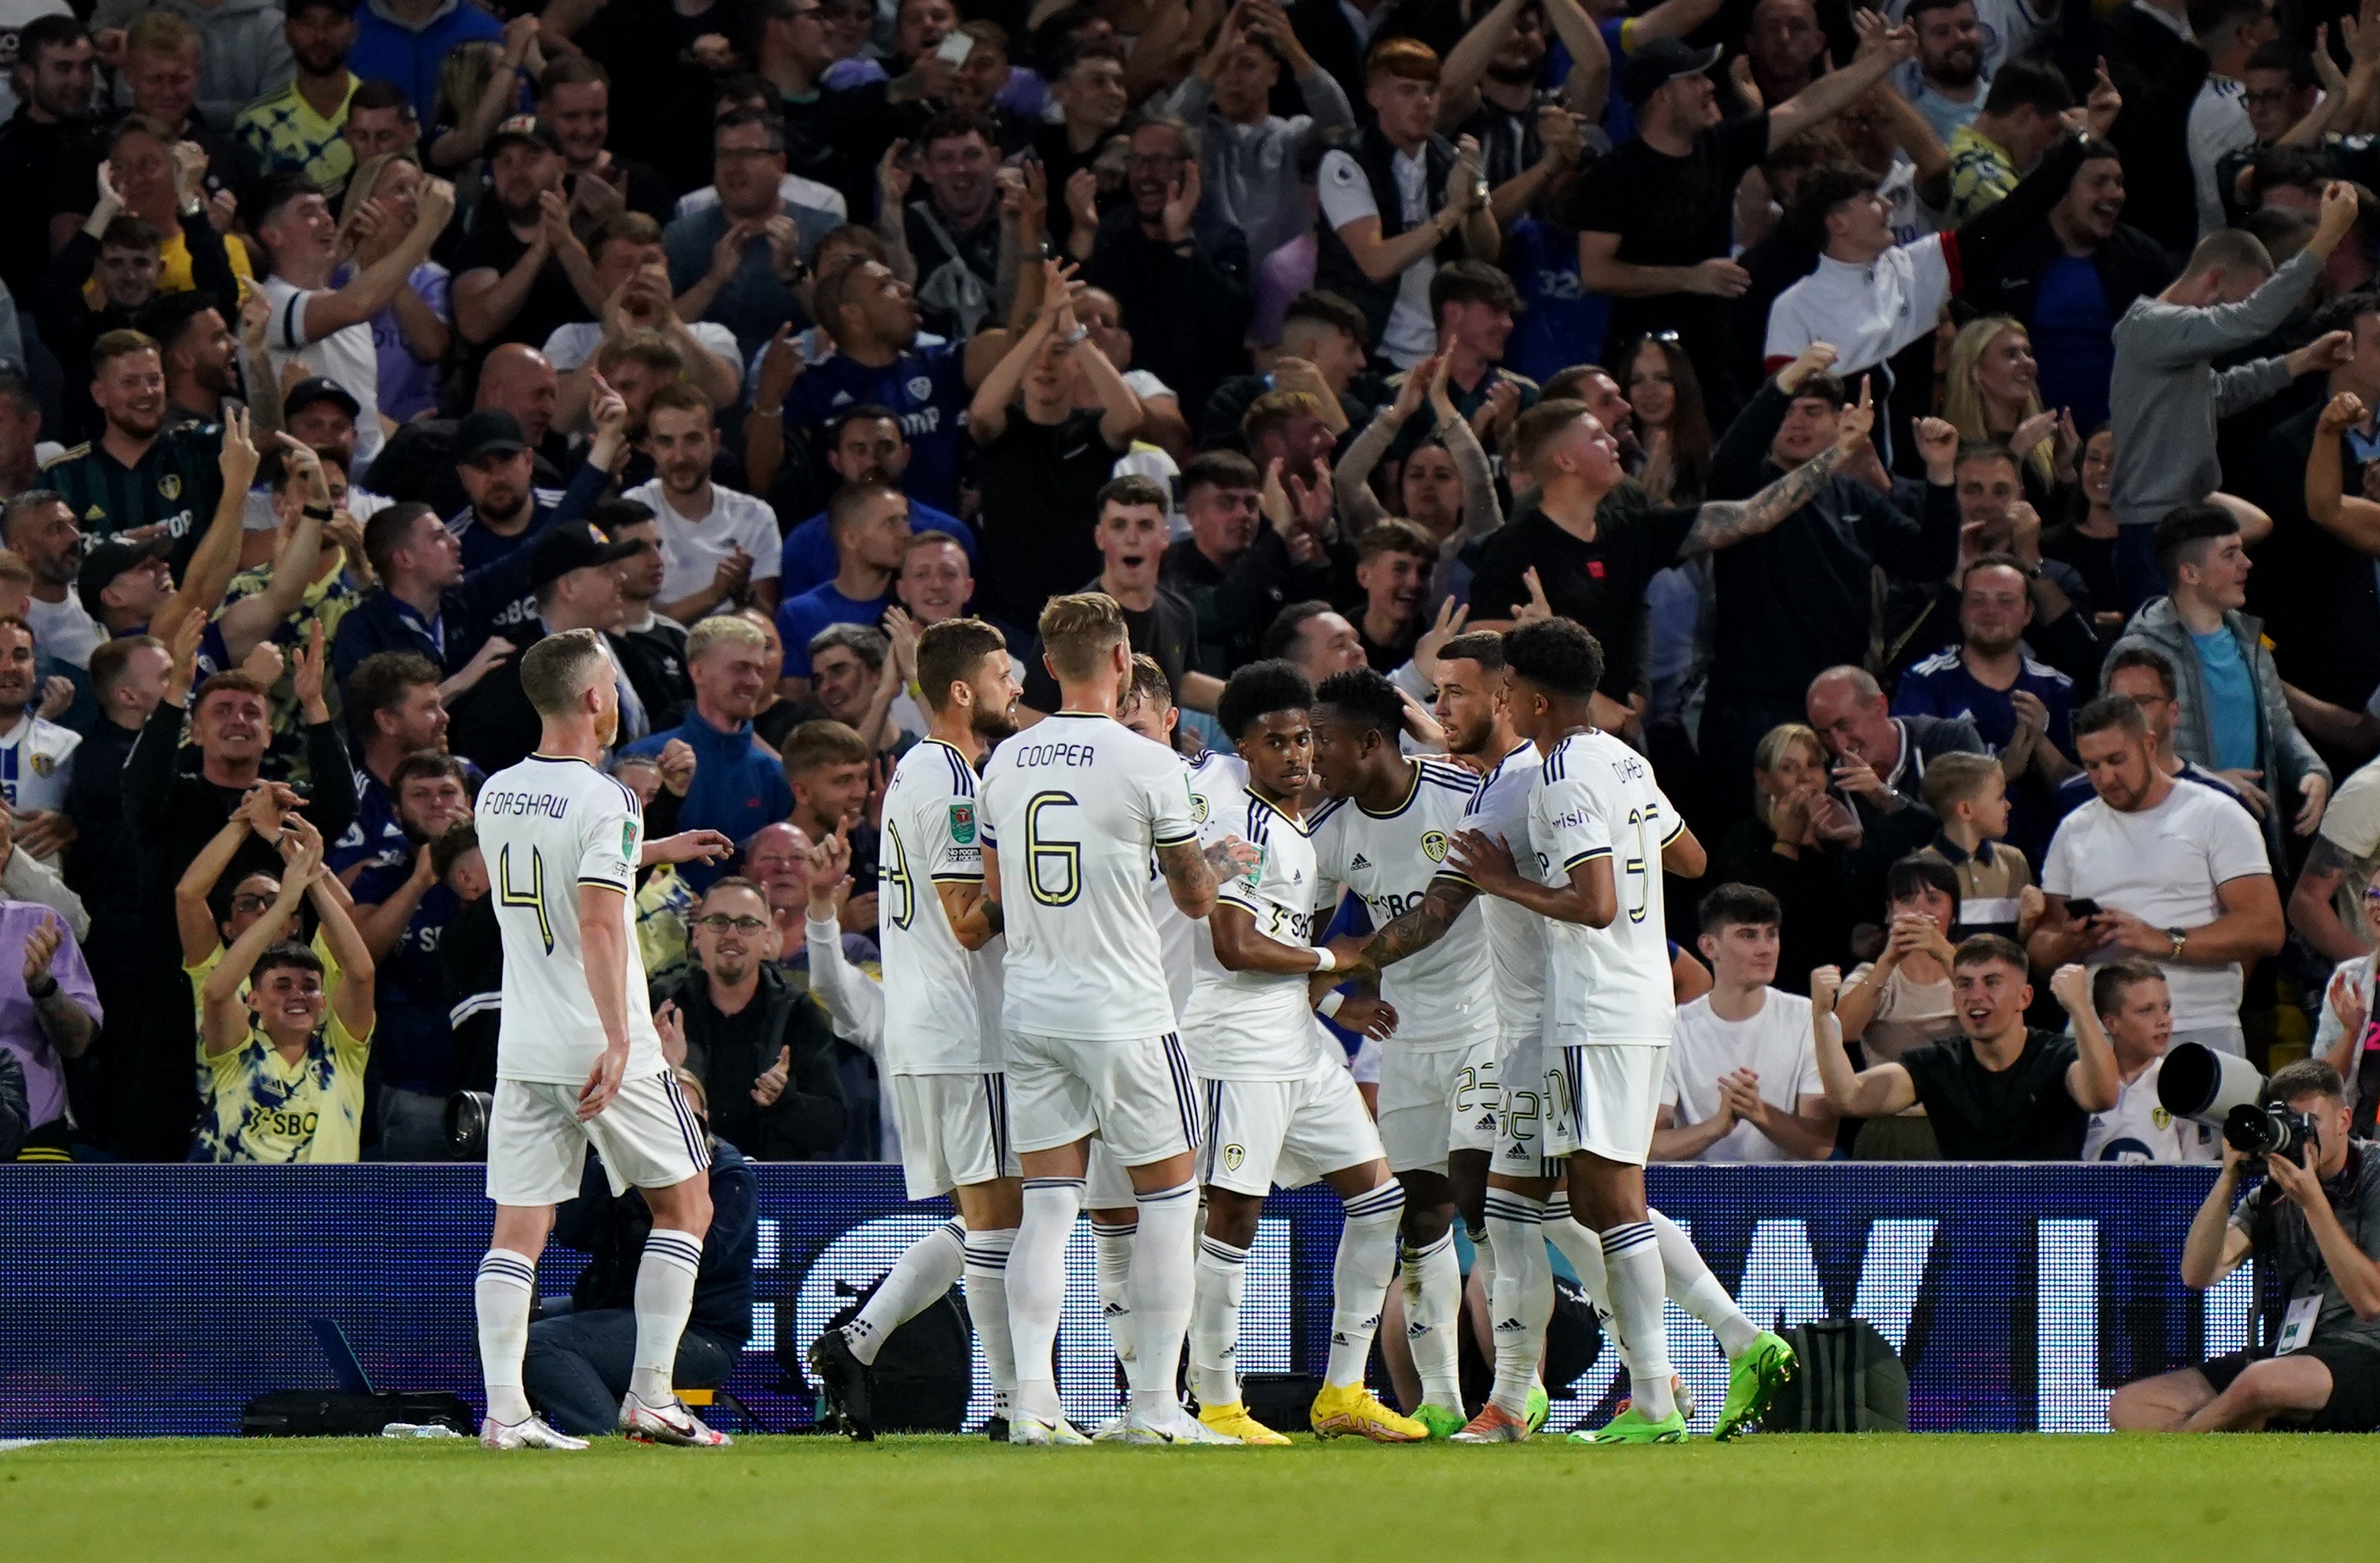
[1112,1239]
[501,1297]
[1215,1322]
[1359,1280]
[1631,1258]
[987,1295]
[1036,1291]
[1163,1252]
[1694,1289]
[665,1296]
[1520,1295]
[930,1268]
[1433,1288]
[1582,1248]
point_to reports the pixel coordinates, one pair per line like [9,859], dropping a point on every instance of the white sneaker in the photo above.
[1176,1426]
[1108,1432]
[672,1423]
[1033,1431]
[532,1434]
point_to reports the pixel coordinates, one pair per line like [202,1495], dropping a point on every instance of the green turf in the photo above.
[1903,1499]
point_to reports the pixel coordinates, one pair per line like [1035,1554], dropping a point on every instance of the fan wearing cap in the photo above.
[521,272]
[1656,216]
[317,412]
[507,510]
[330,329]
[574,574]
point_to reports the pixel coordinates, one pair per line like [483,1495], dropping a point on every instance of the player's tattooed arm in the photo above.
[1418,929]
[1188,878]
[974,914]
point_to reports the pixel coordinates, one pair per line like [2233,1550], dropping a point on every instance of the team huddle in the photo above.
[1102,970]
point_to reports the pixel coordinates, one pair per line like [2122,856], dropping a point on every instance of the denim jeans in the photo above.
[577,1365]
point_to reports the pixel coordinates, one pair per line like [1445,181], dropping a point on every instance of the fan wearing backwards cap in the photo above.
[1655,216]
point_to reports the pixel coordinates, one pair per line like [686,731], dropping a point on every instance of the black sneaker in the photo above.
[845,1378]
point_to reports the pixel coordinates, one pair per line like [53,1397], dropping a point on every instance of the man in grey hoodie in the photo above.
[2233,718]
[243,55]
[2165,397]
[1253,155]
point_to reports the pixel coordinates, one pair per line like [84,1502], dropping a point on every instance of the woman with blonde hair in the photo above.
[1992,393]
[1795,847]
[414,331]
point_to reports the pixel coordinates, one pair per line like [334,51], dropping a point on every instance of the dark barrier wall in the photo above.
[150,1301]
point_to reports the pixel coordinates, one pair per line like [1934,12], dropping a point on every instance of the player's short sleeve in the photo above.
[1575,827]
[1674,824]
[1330,866]
[983,810]
[1165,790]
[611,837]
[954,846]
[2235,847]
[1346,194]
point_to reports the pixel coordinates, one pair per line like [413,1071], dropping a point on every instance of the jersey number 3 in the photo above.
[532,896]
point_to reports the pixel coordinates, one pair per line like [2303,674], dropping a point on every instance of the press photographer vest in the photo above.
[1335,268]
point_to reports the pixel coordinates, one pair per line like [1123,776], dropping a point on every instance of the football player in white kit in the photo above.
[1072,811]
[1384,838]
[578,1061]
[1281,1108]
[943,1059]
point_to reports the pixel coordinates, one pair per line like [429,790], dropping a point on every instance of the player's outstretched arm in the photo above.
[1189,877]
[1418,929]
[1588,896]
[603,950]
[1868,1092]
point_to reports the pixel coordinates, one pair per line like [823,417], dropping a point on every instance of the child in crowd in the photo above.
[1969,794]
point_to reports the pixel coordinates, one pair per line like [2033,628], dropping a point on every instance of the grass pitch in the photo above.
[1837,1499]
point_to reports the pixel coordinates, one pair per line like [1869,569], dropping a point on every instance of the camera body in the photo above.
[2270,1129]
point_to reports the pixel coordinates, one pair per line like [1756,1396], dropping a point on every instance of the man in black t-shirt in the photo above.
[1160,623]
[522,271]
[1999,1092]
[1040,463]
[1654,215]
[1595,538]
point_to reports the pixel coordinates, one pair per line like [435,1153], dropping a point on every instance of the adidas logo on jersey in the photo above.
[1487,1121]
[1505,1326]
[1360,862]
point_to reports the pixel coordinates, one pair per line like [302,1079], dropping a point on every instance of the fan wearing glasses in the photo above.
[764,1054]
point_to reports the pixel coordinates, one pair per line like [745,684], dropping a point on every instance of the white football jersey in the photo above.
[935,1022]
[1076,806]
[546,827]
[1256,1025]
[2138,1128]
[1445,996]
[1595,796]
[1515,936]
[37,764]
[1216,777]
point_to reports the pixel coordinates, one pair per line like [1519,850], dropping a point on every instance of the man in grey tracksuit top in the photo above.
[2164,397]
[1252,155]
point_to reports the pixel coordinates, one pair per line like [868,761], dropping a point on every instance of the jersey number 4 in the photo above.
[532,896]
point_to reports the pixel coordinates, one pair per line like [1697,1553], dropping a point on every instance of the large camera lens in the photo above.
[2268,1129]
[467,1125]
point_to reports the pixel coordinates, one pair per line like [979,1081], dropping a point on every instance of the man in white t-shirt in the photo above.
[2327,906]
[2132,1002]
[718,546]
[330,329]
[1743,1075]
[2158,868]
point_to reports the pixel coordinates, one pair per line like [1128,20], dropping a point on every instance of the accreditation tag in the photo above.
[2297,1324]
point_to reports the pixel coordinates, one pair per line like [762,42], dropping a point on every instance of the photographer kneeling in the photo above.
[2315,1227]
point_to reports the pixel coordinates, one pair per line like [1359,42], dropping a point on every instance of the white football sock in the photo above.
[987,1295]
[930,1268]
[501,1297]
[665,1296]
[1359,1280]
[1036,1291]
[1163,1256]
[1694,1288]
[1215,1322]
[1520,1295]
[1433,1287]
[1631,1257]
[1582,1248]
[1113,1242]
[1483,1249]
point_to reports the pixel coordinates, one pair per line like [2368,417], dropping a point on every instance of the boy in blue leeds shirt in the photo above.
[874,320]
[871,534]
[738,785]
[867,447]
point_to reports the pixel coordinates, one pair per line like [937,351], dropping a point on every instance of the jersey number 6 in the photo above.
[1048,857]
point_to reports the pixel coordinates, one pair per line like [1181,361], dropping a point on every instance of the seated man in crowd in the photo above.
[1742,1085]
[2001,1091]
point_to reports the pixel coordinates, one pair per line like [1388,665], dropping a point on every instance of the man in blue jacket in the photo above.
[738,784]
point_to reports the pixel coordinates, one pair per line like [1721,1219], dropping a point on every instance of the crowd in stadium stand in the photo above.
[346,349]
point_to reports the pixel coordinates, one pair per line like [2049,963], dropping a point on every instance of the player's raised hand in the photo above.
[687,846]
